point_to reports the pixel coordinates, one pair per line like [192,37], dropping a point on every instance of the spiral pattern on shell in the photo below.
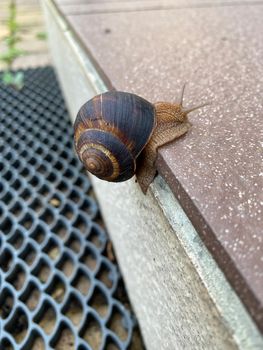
[110,132]
[105,156]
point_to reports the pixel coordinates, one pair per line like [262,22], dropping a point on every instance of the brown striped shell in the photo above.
[110,131]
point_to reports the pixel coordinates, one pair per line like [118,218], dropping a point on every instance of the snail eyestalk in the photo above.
[182,95]
[187,111]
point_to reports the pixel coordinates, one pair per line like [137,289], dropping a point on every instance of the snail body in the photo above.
[117,135]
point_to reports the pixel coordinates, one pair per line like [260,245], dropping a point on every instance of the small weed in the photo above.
[12,52]
[41,36]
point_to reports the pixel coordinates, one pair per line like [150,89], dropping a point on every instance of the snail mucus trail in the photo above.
[117,135]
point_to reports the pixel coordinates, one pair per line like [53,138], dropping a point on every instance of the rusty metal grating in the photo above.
[59,284]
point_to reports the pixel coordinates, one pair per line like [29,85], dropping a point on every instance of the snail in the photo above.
[117,134]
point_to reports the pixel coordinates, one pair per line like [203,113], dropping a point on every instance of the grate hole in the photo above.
[39,150]
[39,234]
[34,181]
[17,239]
[52,249]
[92,333]
[99,302]
[16,164]
[69,145]
[74,243]
[60,229]
[89,258]
[24,154]
[64,155]
[16,209]
[29,254]
[73,161]
[105,275]
[6,303]
[8,175]
[74,196]
[31,296]
[66,265]
[26,194]
[36,205]
[17,184]
[32,161]
[68,211]
[46,318]
[64,340]
[46,141]
[44,190]
[82,282]
[57,289]
[43,169]
[55,201]
[18,325]
[117,324]
[73,310]
[111,345]
[48,158]
[42,271]
[80,183]
[63,187]
[89,207]
[69,174]
[38,135]
[59,165]
[6,226]
[17,277]
[81,224]
[6,345]
[7,198]
[25,172]
[95,237]
[9,156]
[36,343]
[30,144]
[52,178]
[48,216]
[6,259]
[27,221]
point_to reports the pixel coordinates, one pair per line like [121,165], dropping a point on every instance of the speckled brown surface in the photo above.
[216,169]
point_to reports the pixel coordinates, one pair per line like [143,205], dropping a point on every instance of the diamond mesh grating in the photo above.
[59,284]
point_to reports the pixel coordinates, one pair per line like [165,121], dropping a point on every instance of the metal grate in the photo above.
[59,284]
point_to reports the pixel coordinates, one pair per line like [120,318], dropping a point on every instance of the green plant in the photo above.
[12,51]
[41,36]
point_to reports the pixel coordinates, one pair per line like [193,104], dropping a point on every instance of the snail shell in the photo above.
[110,132]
